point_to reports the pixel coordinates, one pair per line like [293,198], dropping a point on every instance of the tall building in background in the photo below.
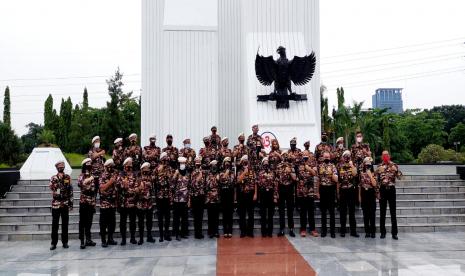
[388,98]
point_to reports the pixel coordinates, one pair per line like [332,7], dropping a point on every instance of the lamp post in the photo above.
[457,144]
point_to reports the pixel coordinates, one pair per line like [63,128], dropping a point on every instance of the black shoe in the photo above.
[323,235]
[343,235]
[373,235]
[184,237]
[270,235]
[383,236]
[291,233]
[53,247]
[112,242]
[178,238]
[104,244]
[65,245]
[243,235]
[333,236]
[160,239]
[394,237]
[150,239]
[83,245]
[168,238]
[141,241]
[281,233]
[355,235]
[250,235]
[123,242]
[90,243]
[216,235]
[133,241]
[367,236]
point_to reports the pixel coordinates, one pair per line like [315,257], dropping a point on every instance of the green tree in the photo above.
[325,118]
[46,137]
[453,114]
[457,134]
[7,107]
[85,100]
[31,138]
[12,149]
[51,120]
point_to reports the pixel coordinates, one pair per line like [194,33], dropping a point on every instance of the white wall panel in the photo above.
[193,78]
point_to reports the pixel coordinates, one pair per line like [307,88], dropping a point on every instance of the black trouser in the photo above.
[347,202]
[327,197]
[198,205]
[164,216]
[124,214]
[107,223]
[266,211]
[307,213]
[213,218]
[227,208]
[369,210]
[180,214]
[86,213]
[62,212]
[246,207]
[286,201]
[147,215]
[388,195]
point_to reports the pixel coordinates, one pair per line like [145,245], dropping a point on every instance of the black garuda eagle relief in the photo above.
[282,71]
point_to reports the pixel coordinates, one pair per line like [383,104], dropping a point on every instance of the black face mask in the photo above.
[152,143]
[207,144]
[324,139]
[214,169]
[174,164]
[169,142]
[89,167]
[293,146]
[61,170]
[110,170]
[241,141]
[326,161]
[182,172]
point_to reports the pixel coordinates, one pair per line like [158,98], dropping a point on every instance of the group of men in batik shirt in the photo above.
[220,179]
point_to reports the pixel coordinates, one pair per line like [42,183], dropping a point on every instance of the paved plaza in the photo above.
[413,254]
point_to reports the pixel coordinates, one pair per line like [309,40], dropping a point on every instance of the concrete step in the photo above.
[410,200]
[443,183]
[430,176]
[73,234]
[74,221]
[438,195]
[434,191]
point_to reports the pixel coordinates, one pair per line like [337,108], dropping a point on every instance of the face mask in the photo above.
[197,165]
[207,144]
[386,158]
[227,166]
[293,146]
[88,167]
[326,161]
[61,170]
[97,145]
[145,172]
[225,145]
[214,169]
[133,142]
[182,167]
[241,141]
[152,142]
[340,146]
[169,142]
[110,169]
[324,139]
[359,139]
[187,146]
[346,159]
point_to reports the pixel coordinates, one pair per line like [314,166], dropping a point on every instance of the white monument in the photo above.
[41,164]
[198,61]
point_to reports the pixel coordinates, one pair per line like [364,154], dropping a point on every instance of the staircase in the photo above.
[425,203]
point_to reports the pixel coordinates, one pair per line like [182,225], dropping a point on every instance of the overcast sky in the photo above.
[60,46]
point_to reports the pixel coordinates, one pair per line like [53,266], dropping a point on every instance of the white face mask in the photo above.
[182,166]
[340,146]
[97,145]
[359,139]
[187,146]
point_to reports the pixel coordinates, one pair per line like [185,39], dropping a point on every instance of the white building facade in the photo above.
[198,68]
